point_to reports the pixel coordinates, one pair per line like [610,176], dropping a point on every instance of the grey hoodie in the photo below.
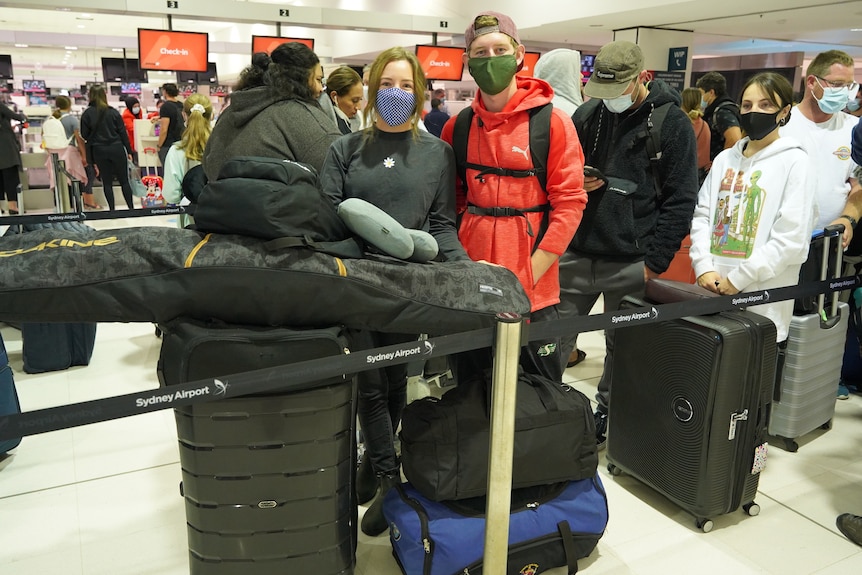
[260,123]
[561,68]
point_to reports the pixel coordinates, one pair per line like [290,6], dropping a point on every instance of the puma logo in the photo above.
[520,151]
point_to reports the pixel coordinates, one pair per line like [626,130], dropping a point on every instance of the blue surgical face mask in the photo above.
[703,104]
[834,99]
[853,105]
[619,104]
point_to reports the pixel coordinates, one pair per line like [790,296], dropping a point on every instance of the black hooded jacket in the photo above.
[629,219]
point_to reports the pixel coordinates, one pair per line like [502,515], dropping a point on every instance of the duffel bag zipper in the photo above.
[427,543]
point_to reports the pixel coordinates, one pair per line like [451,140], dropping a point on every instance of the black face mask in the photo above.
[758,125]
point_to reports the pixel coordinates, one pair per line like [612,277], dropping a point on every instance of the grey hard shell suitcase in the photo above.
[267,478]
[804,399]
[689,399]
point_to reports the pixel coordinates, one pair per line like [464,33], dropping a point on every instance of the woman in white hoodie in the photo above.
[753,221]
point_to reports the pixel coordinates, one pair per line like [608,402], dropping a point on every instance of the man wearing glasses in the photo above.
[825,131]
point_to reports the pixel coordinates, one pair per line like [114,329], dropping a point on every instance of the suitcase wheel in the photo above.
[791,445]
[752,509]
[705,525]
[614,470]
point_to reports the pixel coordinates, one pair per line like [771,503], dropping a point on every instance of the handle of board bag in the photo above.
[831,234]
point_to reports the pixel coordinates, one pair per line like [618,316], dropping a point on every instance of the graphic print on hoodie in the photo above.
[737,214]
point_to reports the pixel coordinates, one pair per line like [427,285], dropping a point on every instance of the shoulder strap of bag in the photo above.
[713,125]
[349,248]
[540,143]
[653,142]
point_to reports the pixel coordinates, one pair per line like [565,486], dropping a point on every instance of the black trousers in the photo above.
[112,161]
[9,182]
[382,397]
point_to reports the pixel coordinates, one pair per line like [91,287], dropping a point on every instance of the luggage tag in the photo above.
[759,458]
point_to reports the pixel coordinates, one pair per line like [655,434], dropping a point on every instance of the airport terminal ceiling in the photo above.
[353,31]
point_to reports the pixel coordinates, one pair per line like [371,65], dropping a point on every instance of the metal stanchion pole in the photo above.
[503,395]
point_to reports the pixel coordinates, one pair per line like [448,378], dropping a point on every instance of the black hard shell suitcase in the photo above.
[267,478]
[56,346]
[689,400]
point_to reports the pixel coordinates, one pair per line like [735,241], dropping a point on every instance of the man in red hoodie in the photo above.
[529,239]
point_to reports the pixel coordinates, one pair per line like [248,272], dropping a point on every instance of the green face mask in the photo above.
[493,74]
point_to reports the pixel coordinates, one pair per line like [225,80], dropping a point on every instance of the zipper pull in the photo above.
[533,505]
[734,417]
[427,545]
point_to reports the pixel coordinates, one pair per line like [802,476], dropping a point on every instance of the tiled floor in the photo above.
[104,498]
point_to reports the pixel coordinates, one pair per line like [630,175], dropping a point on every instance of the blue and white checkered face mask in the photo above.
[395,105]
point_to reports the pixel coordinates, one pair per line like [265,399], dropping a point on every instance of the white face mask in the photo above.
[620,104]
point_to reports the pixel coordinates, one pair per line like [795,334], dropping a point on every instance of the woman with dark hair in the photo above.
[410,175]
[274,112]
[108,144]
[130,114]
[343,98]
[752,224]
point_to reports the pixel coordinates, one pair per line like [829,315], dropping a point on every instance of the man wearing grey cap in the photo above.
[636,216]
[510,218]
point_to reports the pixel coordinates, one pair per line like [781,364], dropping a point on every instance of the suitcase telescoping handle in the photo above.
[831,234]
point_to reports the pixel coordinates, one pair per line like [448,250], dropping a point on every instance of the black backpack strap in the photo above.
[713,125]
[540,143]
[460,134]
[349,248]
[501,212]
[568,546]
[653,142]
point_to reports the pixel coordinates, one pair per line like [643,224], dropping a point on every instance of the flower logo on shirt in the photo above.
[389,162]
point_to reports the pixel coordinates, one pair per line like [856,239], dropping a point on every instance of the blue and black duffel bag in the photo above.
[550,526]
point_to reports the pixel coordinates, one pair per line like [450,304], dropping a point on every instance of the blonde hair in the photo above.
[376,72]
[199,112]
[691,103]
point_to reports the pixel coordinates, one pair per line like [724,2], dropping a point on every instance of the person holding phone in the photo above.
[634,222]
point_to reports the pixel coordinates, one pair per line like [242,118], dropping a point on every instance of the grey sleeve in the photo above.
[333,173]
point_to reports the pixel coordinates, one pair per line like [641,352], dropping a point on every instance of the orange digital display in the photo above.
[174,51]
[441,62]
[269,43]
[529,67]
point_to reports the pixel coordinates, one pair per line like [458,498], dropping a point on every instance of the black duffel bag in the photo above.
[268,198]
[444,442]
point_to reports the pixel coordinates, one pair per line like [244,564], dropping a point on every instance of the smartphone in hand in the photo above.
[594,173]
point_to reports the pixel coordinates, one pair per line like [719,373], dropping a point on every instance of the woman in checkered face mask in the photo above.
[409,174]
